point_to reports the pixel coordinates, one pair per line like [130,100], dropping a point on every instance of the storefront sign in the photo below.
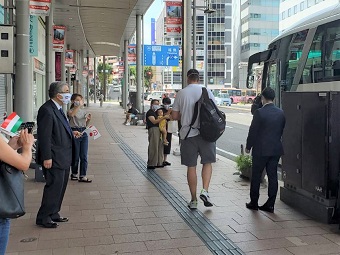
[59,38]
[33,36]
[69,58]
[40,7]
[39,66]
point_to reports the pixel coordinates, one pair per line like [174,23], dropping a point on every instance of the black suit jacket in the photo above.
[55,139]
[265,132]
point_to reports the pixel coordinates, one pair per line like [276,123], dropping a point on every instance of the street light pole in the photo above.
[186,40]
[205,50]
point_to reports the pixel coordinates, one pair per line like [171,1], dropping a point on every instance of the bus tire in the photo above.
[250,101]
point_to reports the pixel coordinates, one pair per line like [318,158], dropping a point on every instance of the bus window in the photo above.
[332,51]
[294,55]
[313,71]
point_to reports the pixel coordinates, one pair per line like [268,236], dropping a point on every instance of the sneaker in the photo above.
[205,198]
[127,124]
[192,204]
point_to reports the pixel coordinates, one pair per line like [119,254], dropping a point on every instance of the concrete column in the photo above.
[23,91]
[81,77]
[126,75]
[88,82]
[104,74]
[186,40]
[50,54]
[95,78]
[139,64]
[194,34]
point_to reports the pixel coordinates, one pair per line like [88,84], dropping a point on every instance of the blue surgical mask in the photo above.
[155,107]
[66,98]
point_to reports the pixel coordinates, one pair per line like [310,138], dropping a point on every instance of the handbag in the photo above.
[11,192]
[172,126]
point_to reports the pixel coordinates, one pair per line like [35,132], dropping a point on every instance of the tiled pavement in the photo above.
[121,212]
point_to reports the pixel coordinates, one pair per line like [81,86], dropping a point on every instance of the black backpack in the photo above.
[212,120]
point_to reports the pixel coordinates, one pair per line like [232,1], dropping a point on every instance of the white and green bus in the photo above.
[305,57]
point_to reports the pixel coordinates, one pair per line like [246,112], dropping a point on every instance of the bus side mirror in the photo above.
[250,81]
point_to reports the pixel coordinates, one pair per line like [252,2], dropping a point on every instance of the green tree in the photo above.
[108,69]
[148,74]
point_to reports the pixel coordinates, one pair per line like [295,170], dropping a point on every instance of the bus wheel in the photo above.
[250,101]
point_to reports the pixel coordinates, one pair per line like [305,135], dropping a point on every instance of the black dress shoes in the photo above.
[50,224]
[61,219]
[267,208]
[151,167]
[252,206]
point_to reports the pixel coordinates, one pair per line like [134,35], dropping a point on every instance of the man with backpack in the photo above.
[192,142]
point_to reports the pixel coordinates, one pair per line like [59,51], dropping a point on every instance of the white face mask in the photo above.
[66,97]
[167,107]
[155,107]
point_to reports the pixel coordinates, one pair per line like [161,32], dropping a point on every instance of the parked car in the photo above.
[156,95]
[223,99]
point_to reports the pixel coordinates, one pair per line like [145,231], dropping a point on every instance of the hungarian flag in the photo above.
[11,124]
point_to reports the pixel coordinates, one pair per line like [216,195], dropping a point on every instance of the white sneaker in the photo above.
[205,198]
[192,204]
[127,124]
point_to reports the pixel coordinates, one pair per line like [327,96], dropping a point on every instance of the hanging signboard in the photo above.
[58,38]
[173,12]
[132,54]
[40,7]
[69,58]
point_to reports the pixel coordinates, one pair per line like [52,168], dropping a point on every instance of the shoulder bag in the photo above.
[11,192]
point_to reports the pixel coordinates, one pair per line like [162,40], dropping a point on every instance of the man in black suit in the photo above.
[264,138]
[55,149]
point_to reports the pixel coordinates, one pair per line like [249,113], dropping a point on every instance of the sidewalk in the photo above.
[122,212]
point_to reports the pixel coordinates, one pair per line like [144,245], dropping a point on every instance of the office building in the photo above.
[219,53]
[293,11]
[259,20]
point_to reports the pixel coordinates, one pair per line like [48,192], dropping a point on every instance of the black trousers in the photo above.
[259,163]
[54,191]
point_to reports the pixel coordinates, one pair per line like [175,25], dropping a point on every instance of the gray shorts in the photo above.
[194,146]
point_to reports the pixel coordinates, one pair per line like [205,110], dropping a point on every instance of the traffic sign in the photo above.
[161,55]
[40,7]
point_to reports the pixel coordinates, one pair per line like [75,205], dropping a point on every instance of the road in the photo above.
[238,122]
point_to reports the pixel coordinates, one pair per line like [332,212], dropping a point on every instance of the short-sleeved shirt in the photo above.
[148,122]
[185,104]
[79,120]
[133,111]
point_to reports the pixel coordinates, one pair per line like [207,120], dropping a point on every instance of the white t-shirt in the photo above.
[185,104]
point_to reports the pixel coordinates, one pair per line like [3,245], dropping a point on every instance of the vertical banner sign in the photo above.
[132,54]
[58,66]
[69,58]
[33,36]
[153,31]
[173,19]
[58,38]
[40,7]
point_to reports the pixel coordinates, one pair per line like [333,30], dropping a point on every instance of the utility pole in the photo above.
[186,40]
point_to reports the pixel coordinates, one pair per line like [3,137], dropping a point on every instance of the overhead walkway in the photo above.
[129,210]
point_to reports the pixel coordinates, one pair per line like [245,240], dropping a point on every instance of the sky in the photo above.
[153,12]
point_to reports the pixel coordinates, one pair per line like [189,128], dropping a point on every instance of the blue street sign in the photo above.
[161,55]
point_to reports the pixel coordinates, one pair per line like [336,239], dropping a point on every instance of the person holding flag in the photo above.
[79,119]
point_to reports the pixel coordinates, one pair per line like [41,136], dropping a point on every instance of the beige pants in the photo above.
[155,149]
